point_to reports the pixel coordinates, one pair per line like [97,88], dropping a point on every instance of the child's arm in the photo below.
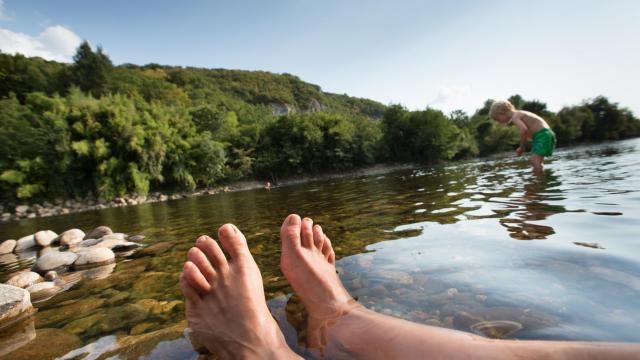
[522,127]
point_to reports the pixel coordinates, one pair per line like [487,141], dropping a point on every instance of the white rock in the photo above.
[55,260]
[71,237]
[24,243]
[15,304]
[43,290]
[24,279]
[7,246]
[45,237]
[93,257]
[115,236]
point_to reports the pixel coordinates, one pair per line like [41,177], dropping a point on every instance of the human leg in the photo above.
[537,162]
[225,304]
[341,328]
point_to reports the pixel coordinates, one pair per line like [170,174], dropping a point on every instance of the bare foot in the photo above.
[226,307]
[308,263]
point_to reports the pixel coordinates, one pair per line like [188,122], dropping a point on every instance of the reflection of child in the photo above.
[531,127]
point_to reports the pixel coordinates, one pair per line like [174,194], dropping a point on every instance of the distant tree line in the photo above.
[68,130]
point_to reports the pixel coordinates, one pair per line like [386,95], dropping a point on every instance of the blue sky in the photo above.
[447,55]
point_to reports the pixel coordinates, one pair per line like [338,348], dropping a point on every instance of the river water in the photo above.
[480,246]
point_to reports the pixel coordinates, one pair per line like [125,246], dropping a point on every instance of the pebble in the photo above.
[24,279]
[45,237]
[55,260]
[25,242]
[51,275]
[94,257]
[43,290]
[71,237]
[7,246]
[98,232]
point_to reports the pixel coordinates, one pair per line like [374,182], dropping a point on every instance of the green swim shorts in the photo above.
[544,142]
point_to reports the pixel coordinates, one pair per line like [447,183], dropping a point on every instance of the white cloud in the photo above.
[54,43]
[452,98]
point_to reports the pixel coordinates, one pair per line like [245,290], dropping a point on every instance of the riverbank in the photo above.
[68,206]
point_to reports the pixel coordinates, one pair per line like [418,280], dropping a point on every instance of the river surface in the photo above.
[480,246]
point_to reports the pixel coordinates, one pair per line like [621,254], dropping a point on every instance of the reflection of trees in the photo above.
[534,200]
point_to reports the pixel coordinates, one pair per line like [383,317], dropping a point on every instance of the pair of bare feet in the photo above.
[226,307]
[227,311]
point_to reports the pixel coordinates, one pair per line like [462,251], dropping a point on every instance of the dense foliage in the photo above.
[90,127]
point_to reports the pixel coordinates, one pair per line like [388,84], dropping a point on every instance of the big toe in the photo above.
[290,232]
[234,242]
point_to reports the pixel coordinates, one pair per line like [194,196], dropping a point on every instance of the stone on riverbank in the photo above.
[45,237]
[15,305]
[7,246]
[94,257]
[55,260]
[44,290]
[25,242]
[98,232]
[24,279]
[71,237]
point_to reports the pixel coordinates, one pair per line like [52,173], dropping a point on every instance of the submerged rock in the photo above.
[24,279]
[43,291]
[47,344]
[25,242]
[18,336]
[15,305]
[94,257]
[136,238]
[71,237]
[499,329]
[7,246]
[45,237]
[55,260]
[98,232]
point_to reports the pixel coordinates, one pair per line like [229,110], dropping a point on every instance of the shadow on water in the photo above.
[434,246]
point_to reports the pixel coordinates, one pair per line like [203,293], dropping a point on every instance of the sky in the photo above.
[443,54]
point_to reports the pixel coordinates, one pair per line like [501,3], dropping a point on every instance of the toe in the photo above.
[197,257]
[290,232]
[188,291]
[195,279]
[318,237]
[307,233]
[213,252]
[327,250]
[234,242]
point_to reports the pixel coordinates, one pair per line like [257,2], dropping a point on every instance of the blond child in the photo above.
[531,126]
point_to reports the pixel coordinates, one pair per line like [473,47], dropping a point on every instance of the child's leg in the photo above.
[537,162]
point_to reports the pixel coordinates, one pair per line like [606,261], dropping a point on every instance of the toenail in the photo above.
[308,219]
[226,229]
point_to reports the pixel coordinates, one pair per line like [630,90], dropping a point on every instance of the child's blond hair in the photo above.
[500,107]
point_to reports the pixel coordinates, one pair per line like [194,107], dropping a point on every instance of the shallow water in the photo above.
[473,246]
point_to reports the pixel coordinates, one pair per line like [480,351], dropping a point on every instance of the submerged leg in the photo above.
[225,306]
[341,328]
[537,163]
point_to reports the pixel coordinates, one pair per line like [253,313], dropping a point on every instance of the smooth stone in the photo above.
[46,250]
[499,329]
[24,279]
[25,242]
[94,257]
[462,320]
[62,315]
[15,305]
[18,336]
[45,237]
[7,246]
[71,237]
[136,238]
[98,232]
[84,324]
[89,243]
[8,259]
[116,244]
[141,346]
[114,236]
[51,275]
[48,344]
[43,291]
[100,272]
[55,260]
